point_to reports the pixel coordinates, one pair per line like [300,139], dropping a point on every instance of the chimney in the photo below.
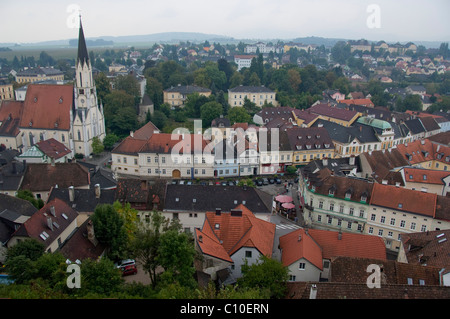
[14,167]
[71,193]
[299,237]
[200,238]
[131,133]
[90,233]
[313,292]
[53,161]
[218,211]
[52,211]
[97,190]
[325,161]
[49,222]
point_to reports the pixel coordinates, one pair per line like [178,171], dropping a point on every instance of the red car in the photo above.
[129,270]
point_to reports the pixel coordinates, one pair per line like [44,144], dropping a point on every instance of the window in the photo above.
[383,219]
[248,254]
[330,220]
[351,211]
[301,266]
[361,213]
[341,209]
[402,223]
[149,171]
[423,228]
[321,204]
[163,159]
[413,226]
[332,206]
[392,221]
[149,159]
[380,232]
[135,161]
[370,230]
[124,160]
[349,225]
[390,234]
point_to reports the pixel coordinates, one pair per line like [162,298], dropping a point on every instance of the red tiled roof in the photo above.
[42,177]
[37,223]
[333,112]
[350,244]
[47,107]
[428,176]
[53,149]
[178,143]
[210,245]
[130,146]
[403,199]
[297,245]
[424,151]
[145,132]
[235,232]
[10,113]
[364,102]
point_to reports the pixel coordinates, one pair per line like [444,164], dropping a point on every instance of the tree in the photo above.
[103,86]
[129,216]
[29,248]
[109,229]
[146,242]
[28,195]
[176,255]
[109,141]
[268,274]
[239,115]
[209,112]
[294,79]
[124,121]
[100,277]
[97,146]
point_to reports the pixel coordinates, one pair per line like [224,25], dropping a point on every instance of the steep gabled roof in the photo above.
[38,223]
[83,55]
[297,245]
[240,228]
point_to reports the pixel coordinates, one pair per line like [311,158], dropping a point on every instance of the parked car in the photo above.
[124,263]
[265,181]
[129,270]
[271,181]
[259,182]
[278,181]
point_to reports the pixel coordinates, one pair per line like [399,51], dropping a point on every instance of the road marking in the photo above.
[287,226]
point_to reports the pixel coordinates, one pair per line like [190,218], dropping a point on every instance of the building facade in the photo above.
[259,95]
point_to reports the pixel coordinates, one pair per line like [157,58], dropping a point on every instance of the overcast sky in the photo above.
[28,21]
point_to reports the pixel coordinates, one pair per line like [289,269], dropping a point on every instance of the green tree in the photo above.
[109,141]
[129,216]
[28,195]
[239,115]
[268,274]
[100,277]
[97,146]
[109,229]
[209,111]
[176,255]
[124,121]
[103,86]
[29,248]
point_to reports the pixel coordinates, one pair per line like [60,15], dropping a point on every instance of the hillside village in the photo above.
[326,160]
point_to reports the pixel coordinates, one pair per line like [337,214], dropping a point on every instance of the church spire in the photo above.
[83,55]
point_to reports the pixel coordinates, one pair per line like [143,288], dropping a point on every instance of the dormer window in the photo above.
[308,147]
[363,198]
[327,145]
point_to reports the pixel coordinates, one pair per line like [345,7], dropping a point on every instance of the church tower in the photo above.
[88,118]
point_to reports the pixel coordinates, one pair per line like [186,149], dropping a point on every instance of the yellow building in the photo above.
[6,91]
[309,144]
[176,96]
[39,74]
[255,94]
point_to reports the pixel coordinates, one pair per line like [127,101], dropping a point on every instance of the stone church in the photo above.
[68,113]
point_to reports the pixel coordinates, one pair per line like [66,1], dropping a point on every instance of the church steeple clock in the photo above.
[86,95]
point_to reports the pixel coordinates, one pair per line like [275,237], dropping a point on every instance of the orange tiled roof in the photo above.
[235,232]
[350,244]
[424,151]
[10,114]
[428,176]
[365,102]
[47,107]
[403,199]
[178,143]
[297,245]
